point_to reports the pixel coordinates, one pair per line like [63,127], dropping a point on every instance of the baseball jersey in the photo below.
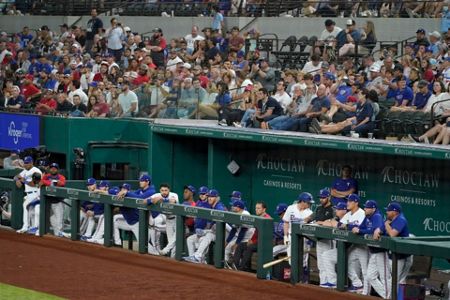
[369,225]
[342,185]
[171,195]
[201,223]
[244,233]
[131,215]
[323,213]
[353,219]
[26,175]
[294,215]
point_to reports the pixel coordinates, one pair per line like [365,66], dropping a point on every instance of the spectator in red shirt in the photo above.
[142,75]
[47,104]
[156,45]
[243,254]
[97,107]
[198,72]
[29,90]
[236,41]
[104,67]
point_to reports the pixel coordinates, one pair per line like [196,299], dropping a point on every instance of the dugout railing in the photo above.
[436,246]
[263,225]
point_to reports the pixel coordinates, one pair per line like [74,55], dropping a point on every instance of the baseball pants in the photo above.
[229,250]
[83,222]
[34,213]
[30,197]
[321,247]
[203,246]
[358,260]
[329,265]
[278,249]
[403,268]
[100,229]
[119,222]
[157,225]
[193,242]
[379,275]
[171,223]
[243,256]
[56,218]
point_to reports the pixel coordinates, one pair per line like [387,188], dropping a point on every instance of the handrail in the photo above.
[433,107]
[345,238]
[263,225]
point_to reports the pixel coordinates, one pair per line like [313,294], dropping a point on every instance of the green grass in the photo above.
[9,292]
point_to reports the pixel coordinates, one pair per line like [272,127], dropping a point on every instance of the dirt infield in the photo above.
[78,270]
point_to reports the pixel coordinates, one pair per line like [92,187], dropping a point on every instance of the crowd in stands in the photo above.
[107,70]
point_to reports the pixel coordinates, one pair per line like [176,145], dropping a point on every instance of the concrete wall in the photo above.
[387,29]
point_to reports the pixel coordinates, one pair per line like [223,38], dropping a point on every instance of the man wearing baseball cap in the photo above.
[208,235]
[157,45]
[378,273]
[396,225]
[358,256]
[29,178]
[323,213]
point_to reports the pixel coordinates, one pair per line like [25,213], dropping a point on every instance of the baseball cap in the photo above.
[64,25]
[324,193]
[240,54]
[420,30]
[93,84]
[28,160]
[374,68]
[103,183]
[353,197]
[352,99]
[91,181]
[187,65]
[126,28]
[213,193]
[15,151]
[329,75]
[371,204]
[341,206]
[29,77]
[203,190]
[145,177]
[329,22]
[305,197]
[239,203]
[157,29]
[191,188]
[54,165]
[435,34]
[236,194]
[350,22]
[428,49]
[325,65]
[114,190]
[281,208]
[394,206]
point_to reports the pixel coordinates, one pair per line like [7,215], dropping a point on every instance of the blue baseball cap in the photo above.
[93,84]
[324,193]
[329,75]
[341,206]
[103,183]
[54,165]
[145,177]
[16,151]
[353,197]
[191,188]
[91,181]
[114,190]
[281,208]
[28,160]
[203,190]
[43,163]
[126,186]
[236,194]
[305,197]
[394,206]
[371,204]
[213,193]
[239,203]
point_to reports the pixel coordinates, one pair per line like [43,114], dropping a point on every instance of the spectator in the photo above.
[64,106]
[318,107]
[267,109]
[79,109]
[128,101]
[236,40]
[13,161]
[16,101]
[421,39]
[157,45]
[264,74]
[218,20]
[192,38]
[330,32]
[281,96]
[75,89]
[115,35]
[47,104]
[313,66]
[348,38]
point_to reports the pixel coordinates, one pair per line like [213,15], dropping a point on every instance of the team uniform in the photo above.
[88,222]
[57,206]
[358,256]
[171,223]
[128,219]
[378,275]
[342,185]
[193,241]
[31,198]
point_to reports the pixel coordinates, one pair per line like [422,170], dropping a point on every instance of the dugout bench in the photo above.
[437,246]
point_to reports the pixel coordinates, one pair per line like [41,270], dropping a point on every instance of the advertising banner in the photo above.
[19,131]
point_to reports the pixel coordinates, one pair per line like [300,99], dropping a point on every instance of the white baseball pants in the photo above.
[379,275]
[358,260]
[321,247]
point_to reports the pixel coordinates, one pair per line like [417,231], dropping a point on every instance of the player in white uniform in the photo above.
[25,178]
[296,214]
[238,234]
[358,256]
[166,196]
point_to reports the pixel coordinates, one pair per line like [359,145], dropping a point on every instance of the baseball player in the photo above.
[188,200]
[53,178]
[358,256]
[323,213]
[25,178]
[237,235]
[296,214]
[209,234]
[278,230]
[330,256]
[128,219]
[396,225]
[193,241]
[91,185]
[166,196]
[378,274]
[344,186]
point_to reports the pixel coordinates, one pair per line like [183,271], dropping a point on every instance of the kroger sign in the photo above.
[19,131]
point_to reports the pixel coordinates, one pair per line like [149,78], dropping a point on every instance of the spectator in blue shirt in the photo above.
[25,37]
[16,101]
[347,38]
[403,95]
[318,107]
[420,99]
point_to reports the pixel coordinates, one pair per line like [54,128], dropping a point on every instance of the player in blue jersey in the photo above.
[344,186]
[128,219]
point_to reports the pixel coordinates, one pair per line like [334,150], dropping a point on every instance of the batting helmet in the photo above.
[305,197]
